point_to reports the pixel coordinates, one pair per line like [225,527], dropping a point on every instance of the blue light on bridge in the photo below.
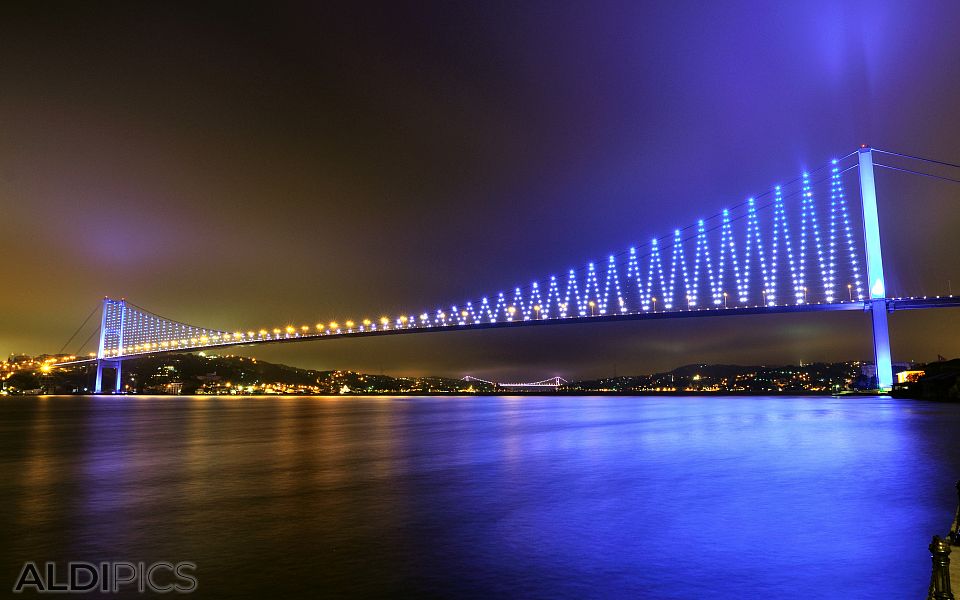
[878,303]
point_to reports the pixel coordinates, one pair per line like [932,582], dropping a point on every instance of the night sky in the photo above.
[238,167]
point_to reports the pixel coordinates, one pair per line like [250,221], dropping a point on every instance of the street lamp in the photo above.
[593,306]
[724,299]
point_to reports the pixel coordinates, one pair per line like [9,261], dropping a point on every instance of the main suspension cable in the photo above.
[911,171]
[929,160]
[82,325]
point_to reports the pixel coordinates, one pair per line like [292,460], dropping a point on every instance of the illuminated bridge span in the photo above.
[803,245]
[553,382]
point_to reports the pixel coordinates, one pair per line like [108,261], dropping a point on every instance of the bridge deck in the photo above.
[894,304]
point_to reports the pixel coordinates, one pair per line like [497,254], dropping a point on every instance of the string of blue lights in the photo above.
[726,271]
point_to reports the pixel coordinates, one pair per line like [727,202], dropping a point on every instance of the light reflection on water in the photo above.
[542,497]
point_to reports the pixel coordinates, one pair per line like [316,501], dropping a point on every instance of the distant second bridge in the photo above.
[552,383]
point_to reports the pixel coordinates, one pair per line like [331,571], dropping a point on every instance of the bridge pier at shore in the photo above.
[103,363]
[881,343]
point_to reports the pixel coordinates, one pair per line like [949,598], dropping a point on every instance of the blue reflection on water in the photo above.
[546,497]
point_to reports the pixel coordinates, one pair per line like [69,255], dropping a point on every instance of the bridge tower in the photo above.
[112,320]
[878,293]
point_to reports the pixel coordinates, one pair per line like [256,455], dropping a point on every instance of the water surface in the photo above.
[479,497]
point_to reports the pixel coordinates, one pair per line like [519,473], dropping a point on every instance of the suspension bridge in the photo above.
[801,246]
[552,383]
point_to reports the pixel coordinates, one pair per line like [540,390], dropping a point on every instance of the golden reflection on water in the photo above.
[39,466]
[328,449]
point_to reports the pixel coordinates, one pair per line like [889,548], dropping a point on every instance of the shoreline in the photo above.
[500,393]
